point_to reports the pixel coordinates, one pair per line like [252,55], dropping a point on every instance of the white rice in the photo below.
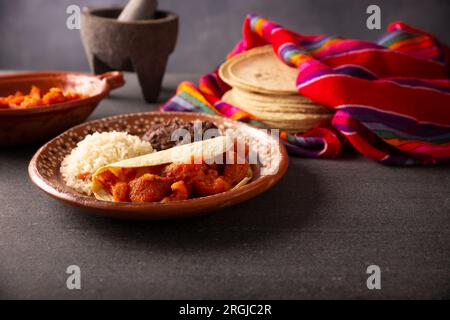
[98,150]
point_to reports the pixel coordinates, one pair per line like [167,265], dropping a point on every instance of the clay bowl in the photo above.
[45,174]
[40,123]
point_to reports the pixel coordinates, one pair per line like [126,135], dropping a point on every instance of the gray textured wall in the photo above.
[33,33]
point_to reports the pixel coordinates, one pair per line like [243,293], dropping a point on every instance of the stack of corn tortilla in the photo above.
[265,87]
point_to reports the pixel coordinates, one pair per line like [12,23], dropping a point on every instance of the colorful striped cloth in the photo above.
[392,98]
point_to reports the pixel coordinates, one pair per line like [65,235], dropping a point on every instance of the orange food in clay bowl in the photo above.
[36,99]
[40,105]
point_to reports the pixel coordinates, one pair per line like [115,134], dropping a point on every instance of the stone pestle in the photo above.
[138,10]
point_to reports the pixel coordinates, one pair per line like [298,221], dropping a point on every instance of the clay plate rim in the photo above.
[158,211]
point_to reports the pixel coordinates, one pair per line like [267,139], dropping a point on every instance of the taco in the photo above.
[184,172]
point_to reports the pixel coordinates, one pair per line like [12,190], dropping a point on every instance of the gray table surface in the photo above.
[312,236]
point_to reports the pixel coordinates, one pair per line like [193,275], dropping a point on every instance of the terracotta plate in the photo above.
[44,168]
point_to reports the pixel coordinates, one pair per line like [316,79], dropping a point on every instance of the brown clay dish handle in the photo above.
[114,79]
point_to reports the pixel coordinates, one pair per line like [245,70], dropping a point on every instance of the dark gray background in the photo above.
[33,33]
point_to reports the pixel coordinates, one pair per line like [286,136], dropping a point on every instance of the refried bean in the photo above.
[160,134]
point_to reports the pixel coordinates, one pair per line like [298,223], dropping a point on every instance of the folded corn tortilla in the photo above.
[206,150]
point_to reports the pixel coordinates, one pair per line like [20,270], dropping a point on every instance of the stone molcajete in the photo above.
[138,38]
